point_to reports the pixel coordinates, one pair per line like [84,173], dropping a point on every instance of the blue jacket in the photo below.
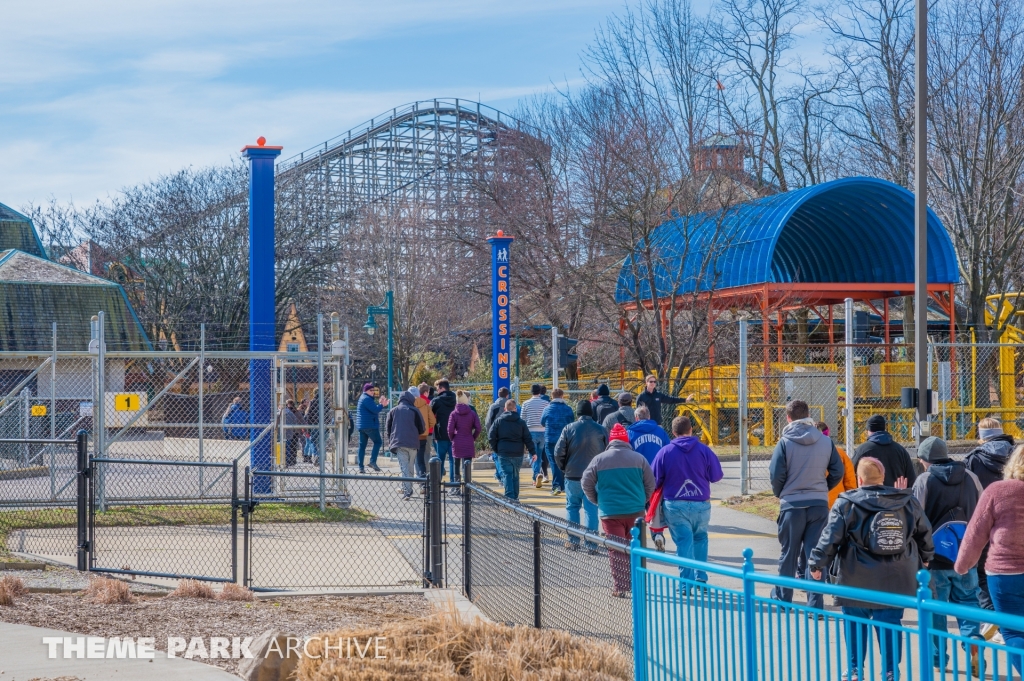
[368,413]
[647,437]
[555,418]
[236,415]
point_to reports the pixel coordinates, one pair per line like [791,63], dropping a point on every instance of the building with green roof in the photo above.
[35,292]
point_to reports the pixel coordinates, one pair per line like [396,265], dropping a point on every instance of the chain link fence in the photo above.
[535,569]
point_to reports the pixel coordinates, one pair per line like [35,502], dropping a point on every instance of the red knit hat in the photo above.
[618,433]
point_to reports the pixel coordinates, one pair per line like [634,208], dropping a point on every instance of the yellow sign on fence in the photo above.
[38,410]
[126,402]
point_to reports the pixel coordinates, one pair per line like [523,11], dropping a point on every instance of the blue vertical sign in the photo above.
[261,303]
[501,336]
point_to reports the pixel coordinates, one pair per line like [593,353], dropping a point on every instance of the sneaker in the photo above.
[555,491]
[851,677]
[406,497]
[572,547]
[988,631]
[375,467]
[659,542]
[538,481]
[362,471]
[620,594]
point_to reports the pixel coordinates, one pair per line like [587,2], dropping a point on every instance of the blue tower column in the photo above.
[501,326]
[261,303]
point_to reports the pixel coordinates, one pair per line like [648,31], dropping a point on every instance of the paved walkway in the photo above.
[24,656]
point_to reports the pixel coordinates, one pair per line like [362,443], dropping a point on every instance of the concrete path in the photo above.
[24,656]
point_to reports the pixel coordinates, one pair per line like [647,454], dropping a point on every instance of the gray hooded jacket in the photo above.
[805,466]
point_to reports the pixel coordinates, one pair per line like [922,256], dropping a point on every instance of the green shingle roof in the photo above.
[17,231]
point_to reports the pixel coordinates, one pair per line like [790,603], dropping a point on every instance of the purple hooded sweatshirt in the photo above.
[463,427]
[685,469]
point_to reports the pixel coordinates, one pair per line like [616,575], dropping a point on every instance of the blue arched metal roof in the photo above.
[853,230]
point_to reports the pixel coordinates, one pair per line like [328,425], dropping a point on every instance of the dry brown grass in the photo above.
[763,504]
[15,585]
[6,597]
[108,591]
[444,648]
[235,592]
[192,588]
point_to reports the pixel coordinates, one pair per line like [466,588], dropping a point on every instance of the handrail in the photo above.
[165,462]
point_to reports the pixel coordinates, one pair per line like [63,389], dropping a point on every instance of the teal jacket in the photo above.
[619,481]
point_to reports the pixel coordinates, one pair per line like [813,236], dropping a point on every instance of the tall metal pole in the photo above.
[851,423]
[921,215]
[390,304]
[320,405]
[53,388]
[202,379]
[554,357]
[742,399]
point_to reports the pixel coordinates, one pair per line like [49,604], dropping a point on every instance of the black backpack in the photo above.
[888,533]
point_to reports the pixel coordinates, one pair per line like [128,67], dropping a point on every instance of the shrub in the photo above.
[192,588]
[444,648]
[108,591]
[15,585]
[6,597]
[235,592]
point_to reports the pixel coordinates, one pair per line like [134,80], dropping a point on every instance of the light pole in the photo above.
[388,308]
[921,217]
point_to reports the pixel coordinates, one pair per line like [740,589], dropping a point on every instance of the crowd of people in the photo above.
[871,519]
[897,515]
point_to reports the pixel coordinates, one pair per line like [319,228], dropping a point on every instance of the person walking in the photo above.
[544,393]
[859,557]
[987,461]
[463,429]
[849,480]
[684,470]
[996,524]
[531,412]
[368,424]
[508,438]
[496,409]
[426,443]
[604,404]
[899,470]
[443,405]
[619,482]
[404,425]
[652,398]
[648,437]
[312,416]
[577,446]
[804,467]
[233,416]
[292,422]
[555,418]
[949,493]
[624,415]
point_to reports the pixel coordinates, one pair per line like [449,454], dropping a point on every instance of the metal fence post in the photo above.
[640,525]
[246,514]
[536,574]
[82,442]
[320,395]
[851,423]
[924,623]
[202,379]
[467,530]
[434,524]
[749,621]
[639,582]
[234,521]
[742,399]
[99,409]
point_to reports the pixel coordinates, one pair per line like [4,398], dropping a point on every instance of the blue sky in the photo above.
[102,94]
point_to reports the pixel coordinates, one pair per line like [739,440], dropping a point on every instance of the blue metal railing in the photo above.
[731,629]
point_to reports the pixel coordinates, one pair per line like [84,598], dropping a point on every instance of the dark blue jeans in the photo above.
[557,477]
[889,639]
[508,468]
[443,448]
[1007,592]
[365,435]
[799,530]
